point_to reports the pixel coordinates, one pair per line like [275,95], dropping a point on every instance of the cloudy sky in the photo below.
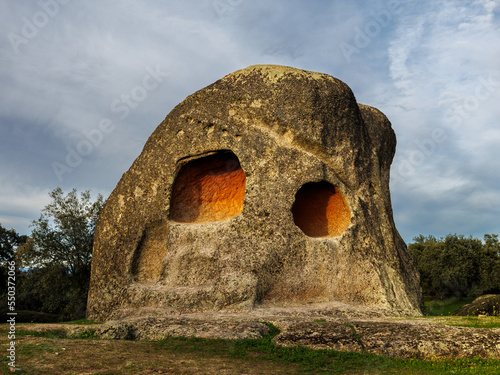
[84,84]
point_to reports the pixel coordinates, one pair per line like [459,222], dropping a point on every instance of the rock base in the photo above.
[488,305]
[336,327]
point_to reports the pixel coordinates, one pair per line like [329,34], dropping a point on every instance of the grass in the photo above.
[81,321]
[469,321]
[52,333]
[33,349]
[28,316]
[58,333]
[440,312]
[444,307]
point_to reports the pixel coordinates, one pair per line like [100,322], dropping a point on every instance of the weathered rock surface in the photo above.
[160,328]
[269,186]
[399,340]
[484,305]
[326,326]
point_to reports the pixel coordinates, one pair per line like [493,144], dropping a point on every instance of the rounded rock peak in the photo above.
[273,73]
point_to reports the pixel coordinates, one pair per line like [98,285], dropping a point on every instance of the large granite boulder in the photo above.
[270,186]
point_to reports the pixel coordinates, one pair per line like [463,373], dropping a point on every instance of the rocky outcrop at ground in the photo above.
[160,328]
[398,340]
[320,329]
[335,326]
[484,305]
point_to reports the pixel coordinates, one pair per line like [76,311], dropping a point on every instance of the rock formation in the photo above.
[484,305]
[412,338]
[270,186]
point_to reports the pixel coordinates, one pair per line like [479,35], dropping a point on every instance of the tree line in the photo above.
[457,266]
[53,263]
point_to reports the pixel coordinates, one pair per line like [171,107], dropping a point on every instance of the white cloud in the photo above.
[409,36]
[20,204]
[446,60]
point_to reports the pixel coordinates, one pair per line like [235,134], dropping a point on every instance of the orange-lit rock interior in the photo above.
[320,210]
[208,189]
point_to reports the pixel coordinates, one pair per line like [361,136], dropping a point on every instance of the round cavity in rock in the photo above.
[208,189]
[320,210]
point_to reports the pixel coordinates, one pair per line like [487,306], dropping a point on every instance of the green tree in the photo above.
[457,265]
[490,263]
[9,241]
[461,261]
[59,254]
[425,251]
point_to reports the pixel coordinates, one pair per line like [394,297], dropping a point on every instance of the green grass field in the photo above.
[444,307]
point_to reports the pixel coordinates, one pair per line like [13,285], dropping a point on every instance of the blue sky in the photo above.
[84,84]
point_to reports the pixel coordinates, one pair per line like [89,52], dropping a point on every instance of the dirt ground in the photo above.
[39,355]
